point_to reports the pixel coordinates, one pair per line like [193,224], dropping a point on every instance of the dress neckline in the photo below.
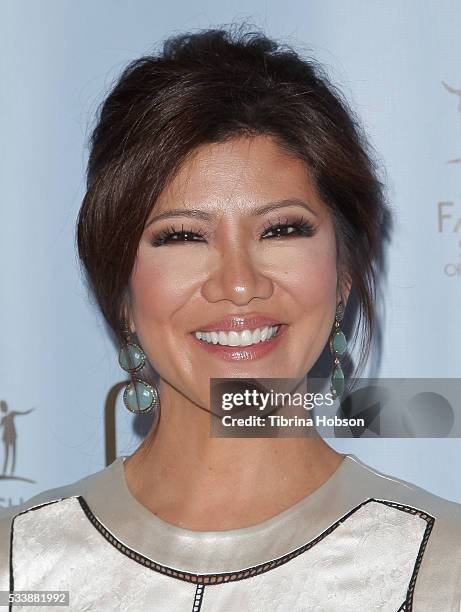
[112,502]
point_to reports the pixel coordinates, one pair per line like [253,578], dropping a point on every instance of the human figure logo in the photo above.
[9,439]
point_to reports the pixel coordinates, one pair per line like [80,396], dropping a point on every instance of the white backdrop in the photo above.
[58,59]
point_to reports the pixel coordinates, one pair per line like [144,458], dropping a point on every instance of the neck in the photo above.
[198,482]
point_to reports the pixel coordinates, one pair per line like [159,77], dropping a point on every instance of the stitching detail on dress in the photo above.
[419,559]
[198,598]
[430,520]
[210,579]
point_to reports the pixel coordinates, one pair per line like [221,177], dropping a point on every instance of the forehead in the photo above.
[236,175]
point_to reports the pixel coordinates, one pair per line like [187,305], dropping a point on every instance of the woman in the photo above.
[232,209]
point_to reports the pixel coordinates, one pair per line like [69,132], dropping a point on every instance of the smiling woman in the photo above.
[232,209]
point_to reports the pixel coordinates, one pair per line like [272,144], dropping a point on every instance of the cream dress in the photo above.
[362,542]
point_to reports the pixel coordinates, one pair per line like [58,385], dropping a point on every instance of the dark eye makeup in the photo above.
[287,229]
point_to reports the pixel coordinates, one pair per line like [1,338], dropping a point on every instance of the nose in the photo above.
[237,278]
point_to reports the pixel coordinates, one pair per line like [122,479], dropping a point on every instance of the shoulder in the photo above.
[9,516]
[386,487]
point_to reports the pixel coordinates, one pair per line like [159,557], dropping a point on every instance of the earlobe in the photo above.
[344,289]
[128,324]
[126,318]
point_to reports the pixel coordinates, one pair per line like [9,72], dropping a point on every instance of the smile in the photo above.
[245,345]
[246,337]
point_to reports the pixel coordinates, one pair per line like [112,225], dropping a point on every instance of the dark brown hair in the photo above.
[210,87]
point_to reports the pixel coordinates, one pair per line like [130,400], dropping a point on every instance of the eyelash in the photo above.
[302,226]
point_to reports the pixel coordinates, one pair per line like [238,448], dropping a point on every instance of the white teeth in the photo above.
[246,337]
[233,338]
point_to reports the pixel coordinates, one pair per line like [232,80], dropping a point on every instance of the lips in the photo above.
[239,323]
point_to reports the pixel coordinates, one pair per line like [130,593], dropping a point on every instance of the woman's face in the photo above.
[226,268]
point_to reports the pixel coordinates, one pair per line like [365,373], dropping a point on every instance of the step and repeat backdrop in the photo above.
[61,412]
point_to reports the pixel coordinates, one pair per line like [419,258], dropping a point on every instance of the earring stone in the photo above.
[131,357]
[338,347]
[140,397]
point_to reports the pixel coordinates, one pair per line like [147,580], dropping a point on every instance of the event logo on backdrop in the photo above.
[449,211]
[8,419]
[9,440]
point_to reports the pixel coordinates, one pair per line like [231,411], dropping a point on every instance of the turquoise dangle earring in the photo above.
[139,397]
[338,346]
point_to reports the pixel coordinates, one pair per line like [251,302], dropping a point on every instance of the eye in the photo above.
[298,227]
[173,235]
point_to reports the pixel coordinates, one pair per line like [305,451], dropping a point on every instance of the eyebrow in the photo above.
[258,211]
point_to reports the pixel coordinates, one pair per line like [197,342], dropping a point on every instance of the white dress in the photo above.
[362,542]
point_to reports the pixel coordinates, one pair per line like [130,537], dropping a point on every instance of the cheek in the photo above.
[316,286]
[159,287]
[308,273]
